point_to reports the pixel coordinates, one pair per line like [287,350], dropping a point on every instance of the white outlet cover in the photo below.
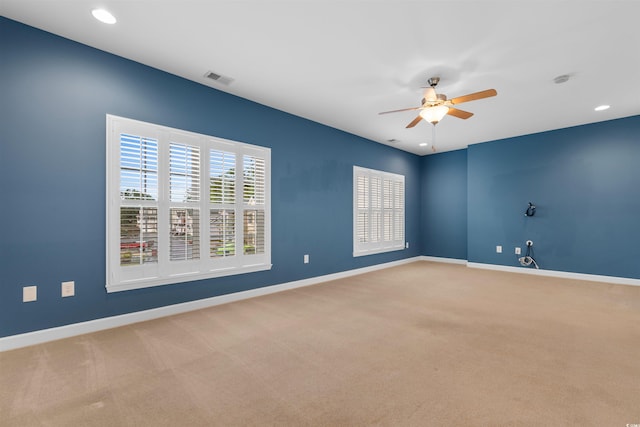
[518,251]
[29,293]
[499,249]
[306,259]
[68,289]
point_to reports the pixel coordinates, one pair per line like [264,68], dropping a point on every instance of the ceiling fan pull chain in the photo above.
[433,138]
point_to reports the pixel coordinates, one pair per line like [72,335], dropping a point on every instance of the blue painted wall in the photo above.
[444,205]
[55,95]
[585,182]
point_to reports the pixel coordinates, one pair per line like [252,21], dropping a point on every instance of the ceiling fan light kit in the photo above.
[434,114]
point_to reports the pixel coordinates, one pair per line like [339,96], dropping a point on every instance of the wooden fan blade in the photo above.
[414,122]
[461,114]
[473,96]
[397,111]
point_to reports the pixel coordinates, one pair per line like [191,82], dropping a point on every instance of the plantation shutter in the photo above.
[182,206]
[222,198]
[398,212]
[138,167]
[362,209]
[139,195]
[378,211]
[184,190]
[254,205]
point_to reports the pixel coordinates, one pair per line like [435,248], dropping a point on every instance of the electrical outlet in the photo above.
[306,259]
[29,293]
[68,289]
[406,245]
[518,251]
[499,249]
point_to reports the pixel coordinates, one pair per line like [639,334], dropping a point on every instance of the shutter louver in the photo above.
[388,211]
[388,195]
[184,173]
[185,234]
[388,226]
[362,202]
[254,180]
[138,183]
[138,168]
[254,197]
[138,235]
[184,187]
[222,177]
[222,235]
[222,193]
[398,223]
[253,232]
[363,192]
[376,209]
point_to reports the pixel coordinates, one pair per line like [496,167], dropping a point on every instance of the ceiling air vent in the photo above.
[218,78]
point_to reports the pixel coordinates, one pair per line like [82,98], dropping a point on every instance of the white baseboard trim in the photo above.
[45,335]
[444,260]
[560,274]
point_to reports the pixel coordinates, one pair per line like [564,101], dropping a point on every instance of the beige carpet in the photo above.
[423,344]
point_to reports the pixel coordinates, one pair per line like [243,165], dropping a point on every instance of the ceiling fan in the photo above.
[436,105]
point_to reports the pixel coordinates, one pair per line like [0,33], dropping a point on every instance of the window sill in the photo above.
[184,277]
[377,251]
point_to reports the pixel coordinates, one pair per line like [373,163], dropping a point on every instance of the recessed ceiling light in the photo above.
[423,144]
[602,107]
[103,16]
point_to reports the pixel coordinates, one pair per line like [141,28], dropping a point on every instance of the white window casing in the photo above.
[378,211]
[182,206]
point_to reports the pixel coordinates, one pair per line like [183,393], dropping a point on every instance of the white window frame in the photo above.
[379,202]
[164,271]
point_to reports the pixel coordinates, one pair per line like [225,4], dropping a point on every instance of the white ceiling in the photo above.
[340,63]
